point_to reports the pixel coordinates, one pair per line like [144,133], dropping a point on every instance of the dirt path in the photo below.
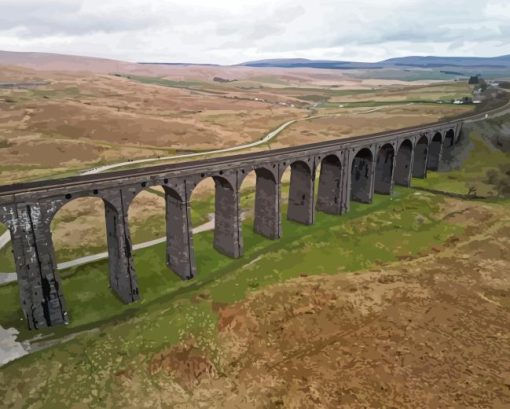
[428,333]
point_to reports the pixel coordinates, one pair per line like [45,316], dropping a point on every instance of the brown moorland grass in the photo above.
[332,125]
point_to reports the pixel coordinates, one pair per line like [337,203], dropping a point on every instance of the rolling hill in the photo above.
[411,61]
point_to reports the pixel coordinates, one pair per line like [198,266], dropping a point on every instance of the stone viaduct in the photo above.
[350,169]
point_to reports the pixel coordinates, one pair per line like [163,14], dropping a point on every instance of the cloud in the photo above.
[71,17]
[231,31]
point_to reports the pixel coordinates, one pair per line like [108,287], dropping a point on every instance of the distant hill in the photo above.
[496,62]
[305,63]
[39,62]
[412,61]
[61,62]
[179,64]
[446,66]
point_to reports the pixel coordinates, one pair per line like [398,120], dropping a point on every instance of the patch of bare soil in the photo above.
[185,363]
[428,333]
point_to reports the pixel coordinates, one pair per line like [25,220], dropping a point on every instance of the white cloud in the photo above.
[231,31]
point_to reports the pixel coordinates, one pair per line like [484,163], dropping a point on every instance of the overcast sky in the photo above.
[233,31]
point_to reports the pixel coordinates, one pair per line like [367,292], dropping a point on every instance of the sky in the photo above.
[234,31]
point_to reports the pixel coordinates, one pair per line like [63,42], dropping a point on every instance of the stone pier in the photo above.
[435,150]
[228,238]
[301,193]
[384,170]
[362,176]
[330,197]
[421,151]
[122,274]
[41,296]
[404,164]
[180,251]
[267,221]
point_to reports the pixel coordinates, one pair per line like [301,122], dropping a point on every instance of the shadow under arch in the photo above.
[403,164]
[420,158]
[435,151]
[447,154]
[362,176]
[226,221]
[330,190]
[262,183]
[449,138]
[384,169]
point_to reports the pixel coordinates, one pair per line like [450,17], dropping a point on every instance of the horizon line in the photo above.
[251,61]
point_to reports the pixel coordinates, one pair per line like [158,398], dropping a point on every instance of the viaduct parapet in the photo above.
[350,169]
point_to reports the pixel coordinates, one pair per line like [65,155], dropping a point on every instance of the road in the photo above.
[4,239]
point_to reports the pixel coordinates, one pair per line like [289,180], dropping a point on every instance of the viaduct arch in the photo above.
[350,169]
[330,193]
[435,150]
[384,169]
